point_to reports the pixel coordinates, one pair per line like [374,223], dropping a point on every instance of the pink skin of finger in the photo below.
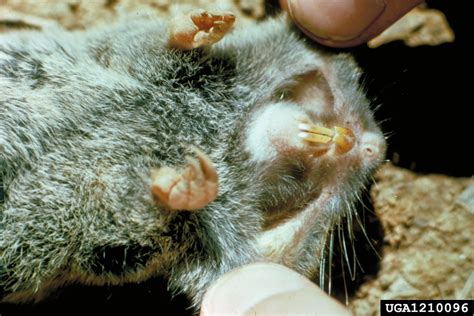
[345,23]
[267,289]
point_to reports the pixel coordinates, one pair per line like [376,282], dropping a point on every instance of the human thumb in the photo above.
[267,289]
[345,23]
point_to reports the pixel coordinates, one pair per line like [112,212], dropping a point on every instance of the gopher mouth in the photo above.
[341,138]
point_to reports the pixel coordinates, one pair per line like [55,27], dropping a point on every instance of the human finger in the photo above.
[345,23]
[267,289]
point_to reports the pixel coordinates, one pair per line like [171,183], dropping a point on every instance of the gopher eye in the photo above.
[283,94]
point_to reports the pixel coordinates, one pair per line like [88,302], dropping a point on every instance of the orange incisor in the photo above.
[343,138]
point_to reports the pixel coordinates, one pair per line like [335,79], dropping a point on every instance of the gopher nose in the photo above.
[372,146]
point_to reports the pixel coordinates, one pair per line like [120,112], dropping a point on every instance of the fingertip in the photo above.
[239,290]
[284,5]
[267,288]
[345,23]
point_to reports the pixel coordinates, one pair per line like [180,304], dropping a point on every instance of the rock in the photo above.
[428,234]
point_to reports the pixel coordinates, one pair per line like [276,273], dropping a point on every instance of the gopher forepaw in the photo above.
[189,188]
[199,28]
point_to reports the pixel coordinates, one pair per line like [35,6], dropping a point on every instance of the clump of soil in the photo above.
[428,242]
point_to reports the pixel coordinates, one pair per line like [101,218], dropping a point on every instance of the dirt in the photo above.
[428,222]
[421,26]
[81,14]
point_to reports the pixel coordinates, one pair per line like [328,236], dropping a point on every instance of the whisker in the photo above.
[346,255]
[352,239]
[342,253]
[388,119]
[366,236]
[387,135]
[322,263]
[366,208]
[331,248]
[376,107]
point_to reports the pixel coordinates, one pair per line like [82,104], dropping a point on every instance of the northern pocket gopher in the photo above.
[174,148]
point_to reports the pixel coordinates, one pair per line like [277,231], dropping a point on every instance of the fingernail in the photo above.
[340,20]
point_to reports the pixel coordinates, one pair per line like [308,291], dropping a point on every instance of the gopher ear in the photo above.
[325,89]
[312,90]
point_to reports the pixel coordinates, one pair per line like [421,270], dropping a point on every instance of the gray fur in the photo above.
[86,115]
